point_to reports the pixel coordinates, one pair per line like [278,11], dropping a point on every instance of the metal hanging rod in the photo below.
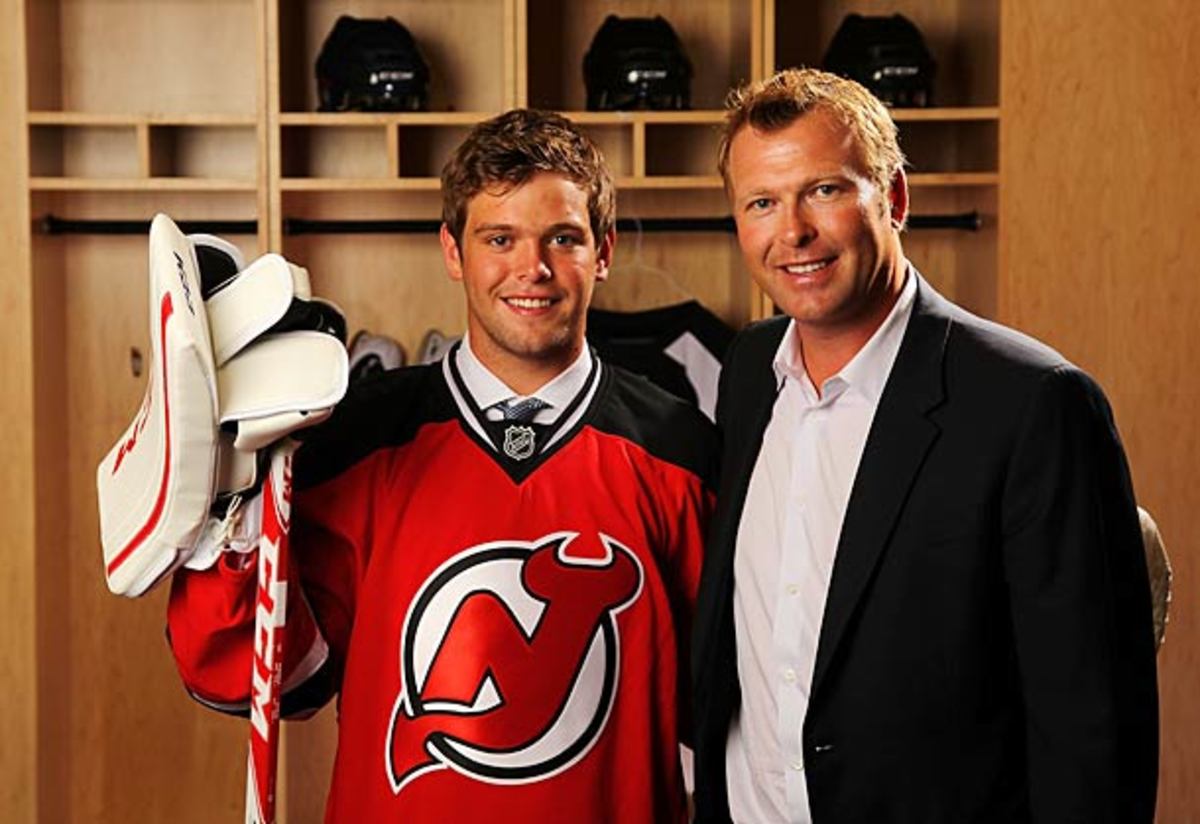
[51,225]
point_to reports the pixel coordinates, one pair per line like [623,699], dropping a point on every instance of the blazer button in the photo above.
[822,749]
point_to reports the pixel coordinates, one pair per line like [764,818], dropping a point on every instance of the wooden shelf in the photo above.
[46,118]
[953,179]
[697,117]
[684,118]
[421,184]
[947,115]
[670,182]
[140,184]
[382,118]
[376,184]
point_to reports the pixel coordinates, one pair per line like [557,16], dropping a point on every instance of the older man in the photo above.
[925,598]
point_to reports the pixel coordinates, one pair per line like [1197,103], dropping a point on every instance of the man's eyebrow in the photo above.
[483,228]
[758,191]
[841,175]
[565,225]
[561,226]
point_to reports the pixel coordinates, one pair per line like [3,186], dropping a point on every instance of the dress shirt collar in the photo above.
[488,390]
[868,370]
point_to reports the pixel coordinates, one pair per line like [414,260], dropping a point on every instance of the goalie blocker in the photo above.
[240,357]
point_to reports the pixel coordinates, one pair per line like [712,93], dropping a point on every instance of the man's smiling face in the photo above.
[528,262]
[816,233]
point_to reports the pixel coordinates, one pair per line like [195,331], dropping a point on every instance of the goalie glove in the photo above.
[240,357]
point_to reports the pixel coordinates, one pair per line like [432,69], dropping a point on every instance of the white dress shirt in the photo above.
[783,560]
[488,390]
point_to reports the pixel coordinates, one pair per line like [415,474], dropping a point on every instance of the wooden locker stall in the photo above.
[19,676]
[207,110]
[131,108]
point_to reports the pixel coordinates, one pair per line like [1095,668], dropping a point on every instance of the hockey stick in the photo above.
[270,616]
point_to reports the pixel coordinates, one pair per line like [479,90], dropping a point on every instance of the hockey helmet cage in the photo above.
[636,63]
[371,65]
[887,55]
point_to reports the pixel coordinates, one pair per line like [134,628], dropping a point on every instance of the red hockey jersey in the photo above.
[503,609]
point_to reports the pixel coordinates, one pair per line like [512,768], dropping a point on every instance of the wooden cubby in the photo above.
[207,111]
[720,37]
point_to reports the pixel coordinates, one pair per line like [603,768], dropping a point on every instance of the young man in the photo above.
[496,555]
[925,596]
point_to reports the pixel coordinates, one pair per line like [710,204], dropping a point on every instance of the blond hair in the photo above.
[777,102]
[507,150]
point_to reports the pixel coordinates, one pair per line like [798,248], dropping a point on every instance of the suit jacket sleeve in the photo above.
[1081,615]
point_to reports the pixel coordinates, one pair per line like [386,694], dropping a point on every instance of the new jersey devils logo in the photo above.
[509,658]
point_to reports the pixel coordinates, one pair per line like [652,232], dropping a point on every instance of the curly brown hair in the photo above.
[507,150]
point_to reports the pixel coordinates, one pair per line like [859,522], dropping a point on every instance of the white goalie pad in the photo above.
[160,473]
[158,482]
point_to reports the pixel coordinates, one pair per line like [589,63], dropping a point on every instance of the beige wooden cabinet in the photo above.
[117,109]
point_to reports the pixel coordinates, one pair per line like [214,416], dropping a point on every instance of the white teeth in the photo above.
[807,267]
[530,303]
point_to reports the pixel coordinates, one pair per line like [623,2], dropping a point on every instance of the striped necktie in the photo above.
[521,411]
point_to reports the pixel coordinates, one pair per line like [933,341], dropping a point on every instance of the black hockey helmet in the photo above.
[371,65]
[636,63]
[885,54]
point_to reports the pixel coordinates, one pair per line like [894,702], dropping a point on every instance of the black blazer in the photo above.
[986,652]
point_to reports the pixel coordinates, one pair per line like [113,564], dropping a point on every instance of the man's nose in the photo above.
[798,228]
[532,262]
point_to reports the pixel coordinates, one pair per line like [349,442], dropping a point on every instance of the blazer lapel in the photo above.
[899,439]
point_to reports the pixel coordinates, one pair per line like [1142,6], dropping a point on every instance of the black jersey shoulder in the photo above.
[380,411]
[631,407]
[609,330]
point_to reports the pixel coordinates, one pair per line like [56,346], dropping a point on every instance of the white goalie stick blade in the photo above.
[154,485]
[270,616]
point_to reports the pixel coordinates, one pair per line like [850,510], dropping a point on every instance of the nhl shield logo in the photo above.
[519,442]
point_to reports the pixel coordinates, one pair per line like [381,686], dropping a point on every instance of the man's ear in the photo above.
[451,255]
[604,254]
[898,199]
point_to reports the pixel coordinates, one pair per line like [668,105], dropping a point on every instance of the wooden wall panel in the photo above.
[182,57]
[1100,195]
[18,648]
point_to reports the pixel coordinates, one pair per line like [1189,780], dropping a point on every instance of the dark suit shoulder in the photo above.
[991,352]
[992,376]
[665,426]
[757,342]
[1002,344]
